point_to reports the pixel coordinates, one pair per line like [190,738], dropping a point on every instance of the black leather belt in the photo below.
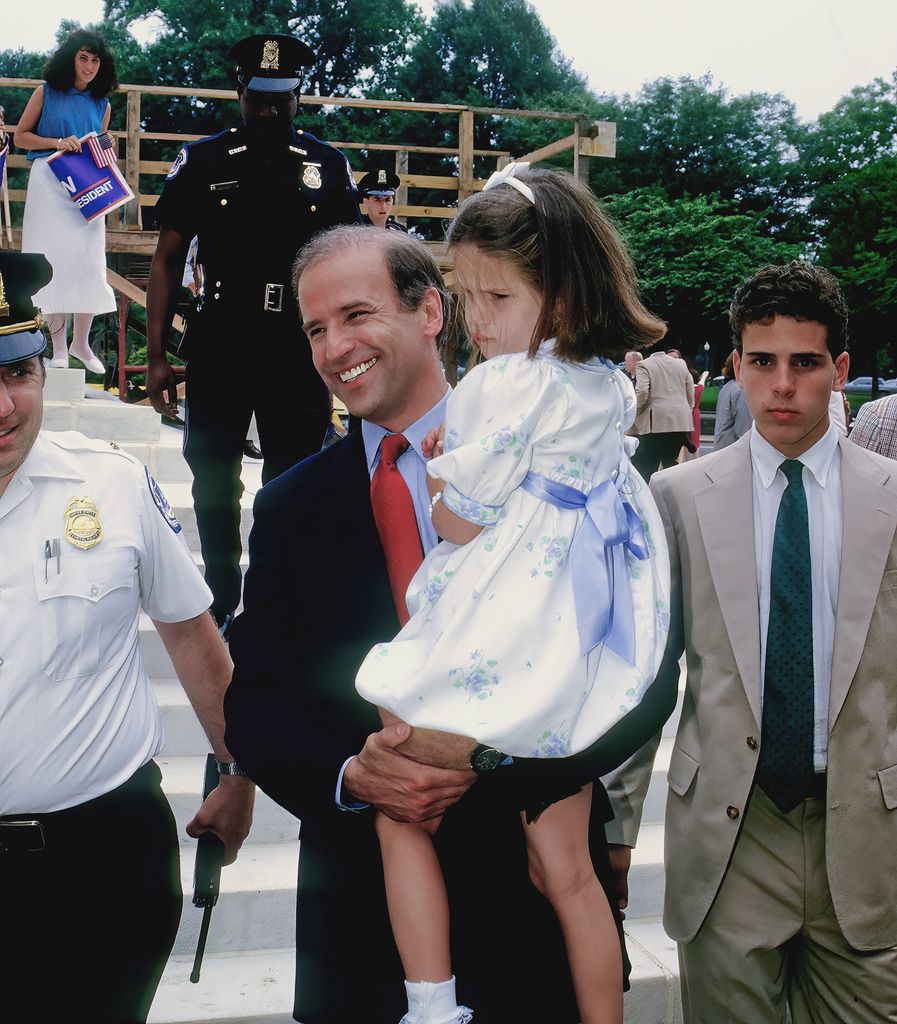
[21,837]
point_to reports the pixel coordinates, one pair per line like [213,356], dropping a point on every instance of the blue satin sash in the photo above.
[601,590]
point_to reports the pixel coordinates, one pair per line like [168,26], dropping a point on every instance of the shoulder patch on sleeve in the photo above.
[161,503]
[179,162]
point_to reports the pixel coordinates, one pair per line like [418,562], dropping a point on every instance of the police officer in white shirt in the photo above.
[89,868]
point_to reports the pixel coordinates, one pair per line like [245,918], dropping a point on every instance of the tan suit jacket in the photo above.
[707,507]
[664,394]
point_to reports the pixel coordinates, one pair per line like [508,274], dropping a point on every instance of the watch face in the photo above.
[485,759]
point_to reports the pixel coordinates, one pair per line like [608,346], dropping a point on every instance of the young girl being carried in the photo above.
[541,619]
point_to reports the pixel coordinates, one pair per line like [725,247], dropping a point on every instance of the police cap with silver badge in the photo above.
[22,275]
[379,182]
[270,63]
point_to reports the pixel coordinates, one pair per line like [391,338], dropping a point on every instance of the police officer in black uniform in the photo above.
[378,189]
[252,195]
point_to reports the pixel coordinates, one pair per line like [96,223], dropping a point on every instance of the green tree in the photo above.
[690,255]
[692,138]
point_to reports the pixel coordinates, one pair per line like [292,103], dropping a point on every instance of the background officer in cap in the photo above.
[88,844]
[378,191]
[253,195]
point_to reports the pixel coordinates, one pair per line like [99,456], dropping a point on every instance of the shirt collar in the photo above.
[372,433]
[819,459]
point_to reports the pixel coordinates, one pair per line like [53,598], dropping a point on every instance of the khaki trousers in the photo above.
[770,951]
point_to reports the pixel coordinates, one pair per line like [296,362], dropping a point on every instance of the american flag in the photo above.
[102,148]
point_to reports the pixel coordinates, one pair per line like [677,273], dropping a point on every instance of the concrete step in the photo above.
[182,779]
[64,385]
[257,987]
[109,420]
[233,988]
[256,908]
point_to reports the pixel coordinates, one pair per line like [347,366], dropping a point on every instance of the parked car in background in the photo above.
[859,391]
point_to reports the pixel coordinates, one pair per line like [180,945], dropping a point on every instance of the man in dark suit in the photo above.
[317,597]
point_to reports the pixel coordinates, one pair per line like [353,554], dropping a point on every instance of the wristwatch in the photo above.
[229,768]
[485,759]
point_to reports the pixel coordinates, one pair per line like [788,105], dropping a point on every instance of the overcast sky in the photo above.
[813,51]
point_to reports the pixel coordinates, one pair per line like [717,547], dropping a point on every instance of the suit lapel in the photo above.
[870,518]
[725,510]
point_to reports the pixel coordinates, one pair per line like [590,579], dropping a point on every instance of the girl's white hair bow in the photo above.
[508,176]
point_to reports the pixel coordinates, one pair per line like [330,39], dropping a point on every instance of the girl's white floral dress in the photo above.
[492,649]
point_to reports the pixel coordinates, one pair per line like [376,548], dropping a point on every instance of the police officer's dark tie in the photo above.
[395,519]
[786,753]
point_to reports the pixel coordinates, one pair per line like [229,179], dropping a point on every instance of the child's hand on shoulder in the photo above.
[434,443]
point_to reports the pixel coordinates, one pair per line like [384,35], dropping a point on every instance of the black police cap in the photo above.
[379,182]
[22,275]
[270,63]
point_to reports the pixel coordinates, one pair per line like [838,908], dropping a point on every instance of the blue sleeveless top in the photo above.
[68,113]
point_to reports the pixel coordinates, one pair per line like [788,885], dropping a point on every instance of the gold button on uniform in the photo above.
[733,812]
[224,202]
[314,209]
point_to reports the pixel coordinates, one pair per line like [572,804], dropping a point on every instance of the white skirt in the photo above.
[76,249]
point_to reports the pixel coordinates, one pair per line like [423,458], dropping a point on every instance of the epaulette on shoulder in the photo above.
[75,441]
[199,144]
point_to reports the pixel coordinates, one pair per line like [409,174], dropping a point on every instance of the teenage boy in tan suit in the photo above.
[781,825]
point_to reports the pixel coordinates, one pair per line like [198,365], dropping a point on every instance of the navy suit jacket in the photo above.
[316,599]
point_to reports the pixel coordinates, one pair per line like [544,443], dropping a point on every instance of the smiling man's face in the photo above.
[376,356]
[787,373]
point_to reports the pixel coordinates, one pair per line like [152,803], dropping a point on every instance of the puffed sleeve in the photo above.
[499,412]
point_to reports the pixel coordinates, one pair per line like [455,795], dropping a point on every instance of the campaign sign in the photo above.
[92,178]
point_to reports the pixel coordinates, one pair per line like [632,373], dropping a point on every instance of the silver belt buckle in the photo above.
[273,298]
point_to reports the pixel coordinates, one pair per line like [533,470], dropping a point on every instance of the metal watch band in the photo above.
[229,768]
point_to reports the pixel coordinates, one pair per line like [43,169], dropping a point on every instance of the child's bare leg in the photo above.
[561,869]
[415,894]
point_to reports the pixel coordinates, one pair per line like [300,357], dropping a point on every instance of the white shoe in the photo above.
[90,362]
[58,364]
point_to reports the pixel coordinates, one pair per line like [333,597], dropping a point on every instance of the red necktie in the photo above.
[395,519]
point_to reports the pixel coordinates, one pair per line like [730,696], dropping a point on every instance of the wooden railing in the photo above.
[586,140]
[127,238]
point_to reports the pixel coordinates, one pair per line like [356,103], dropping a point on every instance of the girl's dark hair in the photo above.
[571,253]
[59,71]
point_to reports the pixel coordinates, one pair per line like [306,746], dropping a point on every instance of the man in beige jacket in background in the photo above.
[665,395]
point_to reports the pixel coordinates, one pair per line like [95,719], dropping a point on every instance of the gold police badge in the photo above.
[311,176]
[270,56]
[83,528]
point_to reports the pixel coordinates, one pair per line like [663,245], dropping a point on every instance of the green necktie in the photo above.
[785,771]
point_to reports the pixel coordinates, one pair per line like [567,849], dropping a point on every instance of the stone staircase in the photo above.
[248,968]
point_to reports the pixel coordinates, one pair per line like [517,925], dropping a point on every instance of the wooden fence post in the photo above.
[580,162]
[132,158]
[465,154]
[402,191]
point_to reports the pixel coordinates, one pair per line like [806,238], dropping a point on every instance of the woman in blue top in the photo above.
[71,102]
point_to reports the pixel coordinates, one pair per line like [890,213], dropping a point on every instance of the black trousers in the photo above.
[657,451]
[89,921]
[292,411]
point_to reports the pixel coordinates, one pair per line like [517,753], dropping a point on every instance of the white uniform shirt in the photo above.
[77,712]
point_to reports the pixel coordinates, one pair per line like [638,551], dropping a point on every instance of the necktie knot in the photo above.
[392,447]
[792,469]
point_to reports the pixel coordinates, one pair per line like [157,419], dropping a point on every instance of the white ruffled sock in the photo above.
[432,1002]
